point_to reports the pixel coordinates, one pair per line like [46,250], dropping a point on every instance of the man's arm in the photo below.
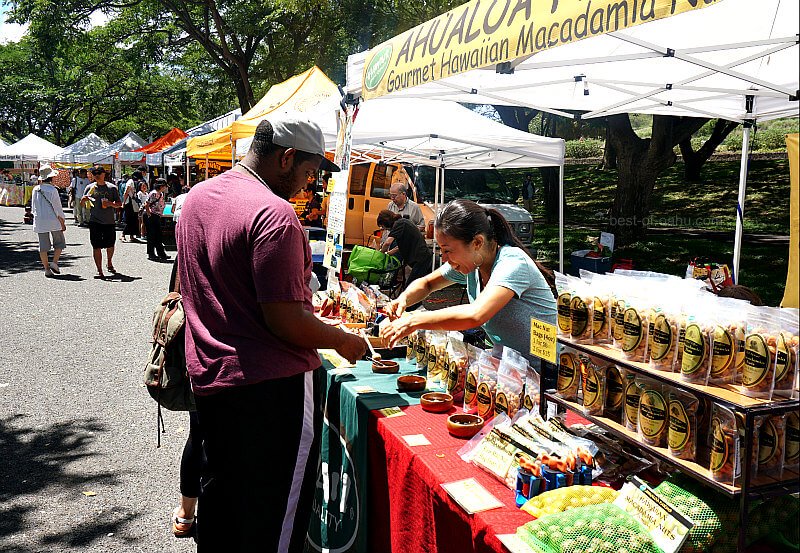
[290,322]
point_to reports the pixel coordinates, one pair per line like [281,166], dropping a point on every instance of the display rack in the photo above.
[747,488]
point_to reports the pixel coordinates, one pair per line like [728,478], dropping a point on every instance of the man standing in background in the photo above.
[80,212]
[102,199]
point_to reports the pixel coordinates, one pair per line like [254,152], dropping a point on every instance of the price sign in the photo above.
[543,340]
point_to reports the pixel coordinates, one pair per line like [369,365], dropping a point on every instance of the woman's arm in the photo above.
[460,317]
[416,292]
[385,246]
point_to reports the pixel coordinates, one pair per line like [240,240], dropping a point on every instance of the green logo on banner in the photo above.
[376,69]
[335,509]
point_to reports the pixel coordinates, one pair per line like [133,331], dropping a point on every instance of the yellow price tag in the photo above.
[543,340]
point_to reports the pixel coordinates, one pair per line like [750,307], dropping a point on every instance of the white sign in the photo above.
[607,240]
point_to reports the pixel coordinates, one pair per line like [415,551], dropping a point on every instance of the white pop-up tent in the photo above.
[107,154]
[736,60]
[87,144]
[30,148]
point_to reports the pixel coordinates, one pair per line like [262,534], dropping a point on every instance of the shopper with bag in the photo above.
[154,207]
[48,219]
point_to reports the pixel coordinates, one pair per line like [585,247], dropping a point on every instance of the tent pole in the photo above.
[737,241]
[561,217]
[435,211]
[206,167]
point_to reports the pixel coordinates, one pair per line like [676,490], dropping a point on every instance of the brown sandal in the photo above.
[181,527]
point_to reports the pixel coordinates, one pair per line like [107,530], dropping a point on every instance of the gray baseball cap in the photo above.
[302,134]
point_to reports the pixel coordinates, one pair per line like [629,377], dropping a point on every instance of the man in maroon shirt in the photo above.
[251,340]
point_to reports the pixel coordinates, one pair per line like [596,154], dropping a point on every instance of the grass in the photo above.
[708,206]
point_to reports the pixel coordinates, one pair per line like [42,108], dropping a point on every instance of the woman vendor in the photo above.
[407,243]
[505,285]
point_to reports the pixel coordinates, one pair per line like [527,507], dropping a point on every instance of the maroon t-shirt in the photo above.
[240,245]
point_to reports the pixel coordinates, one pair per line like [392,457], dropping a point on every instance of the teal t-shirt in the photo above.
[511,326]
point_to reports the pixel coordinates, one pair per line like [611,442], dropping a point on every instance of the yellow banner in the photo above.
[483,33]
[543,340]
[790,295]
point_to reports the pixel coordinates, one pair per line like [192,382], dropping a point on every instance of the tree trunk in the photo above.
[694,161]
[609,154]
[639,163]
[550,193]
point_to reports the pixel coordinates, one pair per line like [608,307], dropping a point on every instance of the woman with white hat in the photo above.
[48,219]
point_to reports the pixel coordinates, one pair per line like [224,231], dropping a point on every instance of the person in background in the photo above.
[174,184]
[312,214]
[131,206]
[141,195]
[48,220]
[71,190]
[80,211]
[505,285]
[251,339]
[154,207]
[34,178]
[103,200]
[177,204]
[528,191]
[407,243]
[405,206]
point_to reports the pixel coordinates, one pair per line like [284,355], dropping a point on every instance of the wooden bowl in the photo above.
[464,425]
[385,367]
[436,402]
[411,383]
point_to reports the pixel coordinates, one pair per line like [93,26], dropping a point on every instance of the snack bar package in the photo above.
[724,343]
[593,385]
[664,329]
[581,314]
[786,354]
[696,349]
[725,456]
[615,393]
[633,393]
[532,390]
[771,446]
[682,435]
[411,350]
[653,413]
[760,351]
[792,458]
[569,375]
[601,291]
[437,350]
[487,385]
[471,384]
[510,383]
[457,362]
[636,325]
[564,284]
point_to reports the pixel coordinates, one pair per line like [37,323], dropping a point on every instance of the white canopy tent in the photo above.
[438,134]
[30,148]
[85,145]
[107,154]
[736,60]
[3,144]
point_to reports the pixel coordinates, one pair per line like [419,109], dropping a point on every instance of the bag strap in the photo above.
[48,201]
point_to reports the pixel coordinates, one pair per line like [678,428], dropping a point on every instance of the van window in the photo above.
[358,178]
[381,181]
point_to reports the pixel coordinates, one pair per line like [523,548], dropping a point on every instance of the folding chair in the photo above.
[391,280]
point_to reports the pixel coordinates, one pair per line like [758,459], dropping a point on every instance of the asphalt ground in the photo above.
[79,468]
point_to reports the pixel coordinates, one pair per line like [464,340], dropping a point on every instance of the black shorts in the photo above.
[102,236]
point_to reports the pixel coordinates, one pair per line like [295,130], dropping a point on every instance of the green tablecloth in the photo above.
[340,516]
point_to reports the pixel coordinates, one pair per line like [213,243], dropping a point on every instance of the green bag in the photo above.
[363,260]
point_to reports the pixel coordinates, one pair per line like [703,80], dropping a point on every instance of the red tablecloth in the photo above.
[409,510]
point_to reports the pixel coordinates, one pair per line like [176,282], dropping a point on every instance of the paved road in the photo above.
[74,416]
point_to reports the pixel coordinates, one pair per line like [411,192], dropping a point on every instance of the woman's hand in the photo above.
[396,308]
[398,329]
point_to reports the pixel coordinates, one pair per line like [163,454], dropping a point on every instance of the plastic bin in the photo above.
[578,261]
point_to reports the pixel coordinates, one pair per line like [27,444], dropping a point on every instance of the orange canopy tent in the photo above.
[158,145]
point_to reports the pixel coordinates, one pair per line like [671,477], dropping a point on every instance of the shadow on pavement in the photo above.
[119,277]
[17,258]
[36,462]
[72,278]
